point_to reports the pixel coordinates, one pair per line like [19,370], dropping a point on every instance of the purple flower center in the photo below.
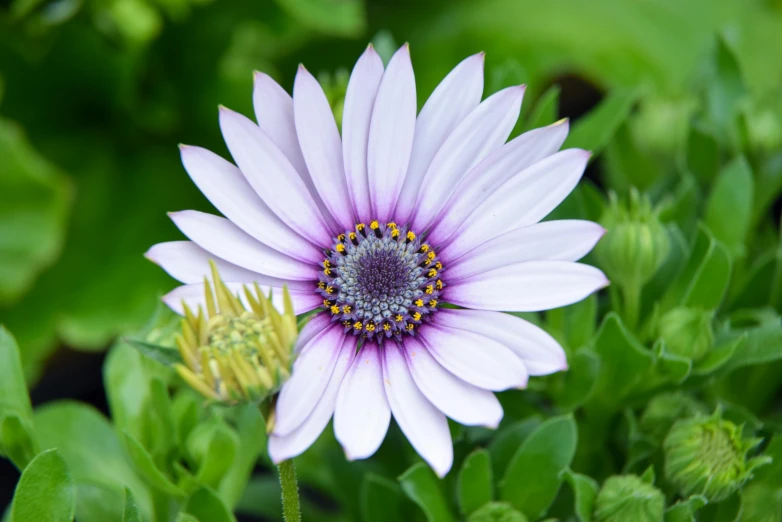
[381,281]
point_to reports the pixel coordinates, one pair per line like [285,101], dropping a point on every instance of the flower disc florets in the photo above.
[381,281]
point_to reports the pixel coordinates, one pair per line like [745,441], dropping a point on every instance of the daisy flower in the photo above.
[376,230]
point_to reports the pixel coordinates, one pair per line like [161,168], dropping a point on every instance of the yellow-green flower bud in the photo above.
[232,353]
[496,512]
[707,456]
[628,497]
[687,332]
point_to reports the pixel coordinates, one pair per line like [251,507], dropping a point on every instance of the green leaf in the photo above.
[184,517]
[16,438]
[593,131]
[131,513]
[584,491]
[761,345]
[546,109]
[422,486]
[145,466]
[717,357]
[337,17]
[724,91]
[684,510]
[534,474]
[45,491]
[476,482]
[251,429]
[505,444]
[220,455]
[380,499]
[729,208]
[759,503]
[205,505]
[162,354]
[497,512]
[703,154]
[578,382]
[18,442]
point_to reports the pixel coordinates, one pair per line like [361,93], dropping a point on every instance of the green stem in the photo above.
[632,301]
[291,512]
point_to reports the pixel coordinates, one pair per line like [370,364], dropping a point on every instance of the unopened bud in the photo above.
[628,497]
[687,332]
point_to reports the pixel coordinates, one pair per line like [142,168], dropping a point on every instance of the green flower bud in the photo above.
[687,332]
[496,512]
[636,243]
[665,409]
[628,497]
[233,354]
[707,456]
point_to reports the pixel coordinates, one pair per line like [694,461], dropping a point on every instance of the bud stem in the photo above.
[631,294]
[291,512]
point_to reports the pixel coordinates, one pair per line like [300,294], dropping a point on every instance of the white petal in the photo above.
[566,240]
[296,442]
[316,324]
[356,115]
[453,99]
[311,373]
[362,414]
[227,241]
[228,190]
[497,168]
[523,200]
[274,113]
[527,287]
[321,146]
[474,358]
[193,296]
[483,131]
[188,263]
[391,134]
[422,423]
[273,178]
[541,354]
[461,401]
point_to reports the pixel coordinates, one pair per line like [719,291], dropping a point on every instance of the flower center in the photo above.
[380,281]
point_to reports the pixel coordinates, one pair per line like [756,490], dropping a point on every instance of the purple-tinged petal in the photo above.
[422,423]
[321,146]
[193,296]
[391,134]
[362,413]
[273,178]
[314,326]
[228,190]
[493,171]
[356,115]
[312,370]
[453,99]
[474,358]
[541,354]
[566,240]
[459,400]
[527,287]
[296,442]
[523,200]
[483,131]
[225,240]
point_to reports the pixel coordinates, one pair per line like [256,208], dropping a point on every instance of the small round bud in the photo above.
[707,456]
[687,332]
[629,497]
[496,512]
[665,409]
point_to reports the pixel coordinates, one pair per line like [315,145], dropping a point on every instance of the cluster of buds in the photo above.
[232,352]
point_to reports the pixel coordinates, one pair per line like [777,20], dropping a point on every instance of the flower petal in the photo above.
[484,130]
[273,178]
[296,442]
[391,134]
[422,423]
[474,358]
[321,146]
[497,168]
[541,354]
[566,240]
[274,114]
[228,190]
[453,99]
[362,414]
[527,287]
[356,115]
[227,241]
[312,370]
[193,296]
[459,400]
[314,326]
[523,200]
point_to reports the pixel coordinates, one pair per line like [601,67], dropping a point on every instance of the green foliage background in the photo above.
[96,94]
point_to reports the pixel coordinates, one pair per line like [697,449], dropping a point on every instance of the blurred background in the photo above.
[95,95]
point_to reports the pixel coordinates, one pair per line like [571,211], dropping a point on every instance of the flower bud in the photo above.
[628,497]
[707,456]
[232,353]
[665,409]
[496,512]
[687,332]
[636,243]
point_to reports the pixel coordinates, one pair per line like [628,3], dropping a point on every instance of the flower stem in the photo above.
[291,512]
[632,303]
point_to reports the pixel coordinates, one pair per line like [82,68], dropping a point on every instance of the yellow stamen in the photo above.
[398,318]
[431,256]
[370,327]
[432,273]
[329,289]
[433,302]
[327,271]
[438,265]
[410,235]
[340,247]
[391,225]
[425,248]
[357,325]
[419,302]
[326,263]
[346,309]
[374,226]
[386,327]
[429,289]
[439,284]
[334,309]
[417,316]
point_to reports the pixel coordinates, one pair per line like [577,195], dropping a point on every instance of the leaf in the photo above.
[476,482]
[380,499]
[162,354]
[220,454]
[546,109]
[505,444]
[761,345]
[684,510]
[131,513]
[422,486]
[18,442]
[703,154]
[145,466]
[726,89]
[251,429]
[205,505]
[578,382]
[717,357]
[337,17]
[593,131]
[729,208]
[584,491]
[45,491]
[16,437]
[534,474]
